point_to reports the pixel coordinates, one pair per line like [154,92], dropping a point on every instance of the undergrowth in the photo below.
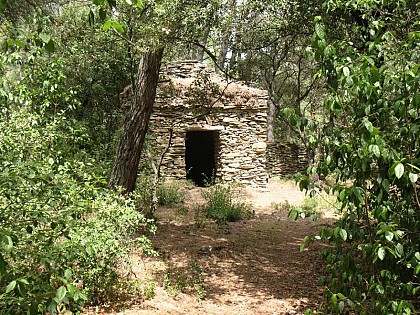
[186,280]
[221,206]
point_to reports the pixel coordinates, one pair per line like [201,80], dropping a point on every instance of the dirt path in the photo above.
[250,267]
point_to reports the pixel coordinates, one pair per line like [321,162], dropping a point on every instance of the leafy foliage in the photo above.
[371,141]
[221,206]
[62,234]
[170,195]
[99,67]
[177,280]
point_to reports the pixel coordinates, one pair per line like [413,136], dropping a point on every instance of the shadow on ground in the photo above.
[249,262]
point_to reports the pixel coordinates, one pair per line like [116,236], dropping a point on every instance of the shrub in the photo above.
[170,195]
[371,141]
[188,279]
[143,192]
[221,206]
[63,235]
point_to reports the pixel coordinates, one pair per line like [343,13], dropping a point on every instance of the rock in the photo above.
[241,115]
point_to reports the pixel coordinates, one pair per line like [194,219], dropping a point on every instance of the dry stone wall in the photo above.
[285,159]
[195,99]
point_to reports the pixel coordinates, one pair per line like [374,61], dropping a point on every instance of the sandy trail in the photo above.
[249,267]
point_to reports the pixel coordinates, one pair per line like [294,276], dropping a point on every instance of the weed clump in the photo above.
[170,195]
[222,207]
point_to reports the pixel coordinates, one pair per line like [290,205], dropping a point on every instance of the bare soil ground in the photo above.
[252,266]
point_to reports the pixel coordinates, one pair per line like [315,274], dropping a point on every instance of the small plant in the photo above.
[182,210]
[221,206]
[149,290]
[308,209]
[209,181]
[199,218]
[143,192]
[282,206]
[186,280]
[136,287]
[198,281]
[170,195]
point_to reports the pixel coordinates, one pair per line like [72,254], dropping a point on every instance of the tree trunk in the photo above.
[226,40]
[124,172]
[271,120]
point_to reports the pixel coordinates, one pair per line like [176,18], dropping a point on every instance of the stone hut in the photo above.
[216,129]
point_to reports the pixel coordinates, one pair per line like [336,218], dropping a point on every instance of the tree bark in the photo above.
[271,120]
[124,172]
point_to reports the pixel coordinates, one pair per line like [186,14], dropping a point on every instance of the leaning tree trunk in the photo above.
[124,172]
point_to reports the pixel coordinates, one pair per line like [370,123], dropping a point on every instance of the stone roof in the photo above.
[182,76]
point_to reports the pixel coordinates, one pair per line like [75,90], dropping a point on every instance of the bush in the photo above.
[371,141]
[221,206]
[143,193]
[63,235]
[170,195]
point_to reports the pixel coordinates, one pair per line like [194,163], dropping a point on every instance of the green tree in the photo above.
[161,24]
[98,67]
[61,231]
[371,145]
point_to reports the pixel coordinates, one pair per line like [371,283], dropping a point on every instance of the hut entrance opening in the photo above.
[200,156]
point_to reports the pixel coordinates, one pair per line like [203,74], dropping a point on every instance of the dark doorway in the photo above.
[200,156]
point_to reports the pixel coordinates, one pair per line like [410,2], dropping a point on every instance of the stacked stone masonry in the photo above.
[237,114]
[284,159]
[191,97]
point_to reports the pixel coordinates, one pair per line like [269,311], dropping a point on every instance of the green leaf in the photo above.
[380,289]
[302,247]
[320,30]
[52,306]
[304,183]
[334,299]
[341,296]
[19,43]
[375,150]
[45,37]
[7,244]
[11,286]
[381,253]
[346,71]
[343,234]
[295,215]
[23,281]
[399,170]
[67,274]
[117,27]
[328,160]
[399,249]
[368,125]
[61,293]
[389,235]
[107,25]
[139,4]
[413,177]
[50,46]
